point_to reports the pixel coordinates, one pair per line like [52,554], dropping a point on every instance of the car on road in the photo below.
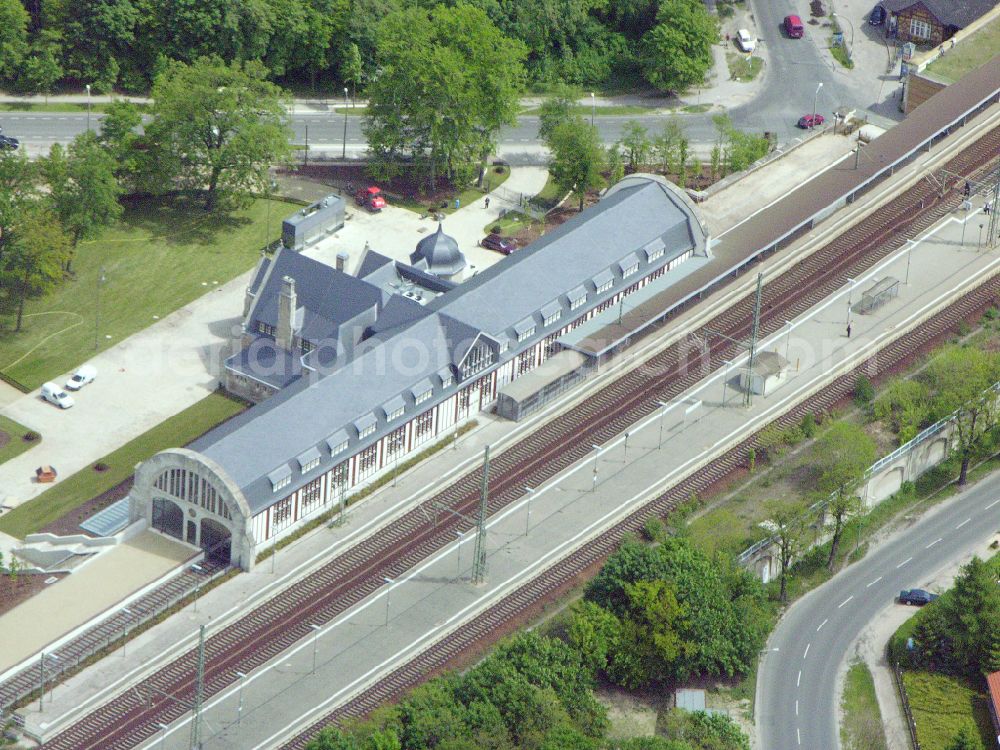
[877,16]
[9,143]
[52,393]
[745,42]
[83,376]
[794,27]
[811,121]
[505,245]
[916,597]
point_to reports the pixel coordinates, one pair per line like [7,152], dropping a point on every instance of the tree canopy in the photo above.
[577,157]
[216,128]
[448,81]
[677,52]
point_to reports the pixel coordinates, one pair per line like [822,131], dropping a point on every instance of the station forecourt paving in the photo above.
[433,598]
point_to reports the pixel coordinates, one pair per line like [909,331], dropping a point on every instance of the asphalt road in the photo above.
[793,70]
[796,704]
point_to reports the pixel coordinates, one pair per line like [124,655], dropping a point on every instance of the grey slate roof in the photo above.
[959,13]
[440,253]
[410,343]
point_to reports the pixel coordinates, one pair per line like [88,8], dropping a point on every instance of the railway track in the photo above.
[357,573]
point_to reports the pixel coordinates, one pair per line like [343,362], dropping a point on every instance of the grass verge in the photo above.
[942,705]
[329,515]
[356,111]
[163,255]
[696,109]
[511,223]
[17,444]
[65,107]
[743,67]
[861,722]
[77,489]
[586,110]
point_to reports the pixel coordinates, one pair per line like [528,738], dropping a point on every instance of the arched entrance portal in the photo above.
[168,517]
[216,540]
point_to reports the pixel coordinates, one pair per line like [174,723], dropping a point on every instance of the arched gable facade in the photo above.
[182,493]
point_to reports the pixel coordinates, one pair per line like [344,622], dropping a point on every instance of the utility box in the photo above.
[313,222]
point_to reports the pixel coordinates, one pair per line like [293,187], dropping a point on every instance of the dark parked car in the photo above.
[7,142]
[811,121]
[916,597]
[877,16]
[504,245]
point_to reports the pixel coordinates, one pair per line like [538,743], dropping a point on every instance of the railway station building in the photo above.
[353,373]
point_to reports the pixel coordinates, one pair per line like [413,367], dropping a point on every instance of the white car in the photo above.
[746,42]
[52,393]
[86,374]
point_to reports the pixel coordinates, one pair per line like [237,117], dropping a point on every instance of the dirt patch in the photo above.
[632,714]
[351,177]
[13,592]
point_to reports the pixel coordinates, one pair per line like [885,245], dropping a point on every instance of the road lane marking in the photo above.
[796,708]
[798,680]
[903,563]
[933,543]
[806,652]
[821,625]
[963,523]
[873,582]
[992,504]
[845,601]
[798,736]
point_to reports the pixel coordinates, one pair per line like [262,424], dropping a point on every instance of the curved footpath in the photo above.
[800,676]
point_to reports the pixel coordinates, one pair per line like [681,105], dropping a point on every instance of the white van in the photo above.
[86,374]
[54,394]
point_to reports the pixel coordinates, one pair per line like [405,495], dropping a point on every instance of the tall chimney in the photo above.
[284,334]
[342,257]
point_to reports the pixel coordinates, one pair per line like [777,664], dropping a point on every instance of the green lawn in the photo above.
[941,705]
[512,223]
[743,68]
[162,256]
[40,105]
[17,445]
[77,489]
[696,109]
[549,196]
[969,54]
[356,111]
[470,194]
[861,727]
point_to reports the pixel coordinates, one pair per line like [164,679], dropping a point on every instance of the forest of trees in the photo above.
[124,44]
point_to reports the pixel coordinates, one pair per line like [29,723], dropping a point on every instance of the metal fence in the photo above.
[911,725]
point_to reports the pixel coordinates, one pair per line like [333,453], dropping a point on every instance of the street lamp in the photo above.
[88,107]
[101,278]
[597,454]
[850,51]
[625,459]
[197,587]
[663,413]
[343,153]
[593,107]
[239,710]
[816,100]
[128,615]
[527,519]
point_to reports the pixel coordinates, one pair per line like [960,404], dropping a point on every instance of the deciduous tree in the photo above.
[577,158]
[218,128]
[13,37]
[844,453]
[786,522]
[33,259]
[677,51]
[636,144]
[958,378]
[557,108]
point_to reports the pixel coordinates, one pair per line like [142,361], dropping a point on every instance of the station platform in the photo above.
[97,586]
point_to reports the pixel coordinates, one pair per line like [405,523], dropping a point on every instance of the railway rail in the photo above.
[359,572]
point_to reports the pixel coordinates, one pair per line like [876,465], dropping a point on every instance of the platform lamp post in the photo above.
[163,734]
[663,413]
[239,708]
[197,587]
[593,108]
[128,616]
[625,459]
[816,100]
[980,245]
[597,455]
[88,107]
[315,629]
[101,278]
[461,538]
[388,591]
[909,254]
[850,300]
[788,337]
[725,381]
[527,519]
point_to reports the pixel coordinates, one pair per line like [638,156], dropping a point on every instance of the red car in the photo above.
[794,27]
[810,121]
[504,245]
[371,198]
